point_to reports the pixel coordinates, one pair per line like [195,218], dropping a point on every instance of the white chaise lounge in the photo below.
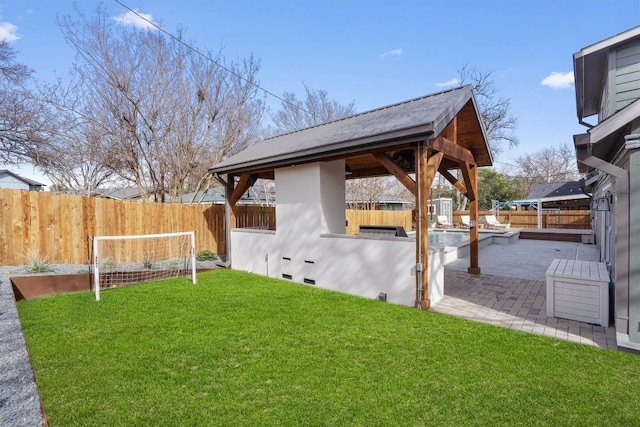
[492,222]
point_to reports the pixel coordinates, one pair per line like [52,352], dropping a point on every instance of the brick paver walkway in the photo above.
[514,303]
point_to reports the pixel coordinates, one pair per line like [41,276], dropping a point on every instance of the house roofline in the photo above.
[594,59]
[344,148]
[22,178]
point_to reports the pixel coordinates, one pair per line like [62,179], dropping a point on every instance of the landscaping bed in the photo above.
[27,287]
[65,278]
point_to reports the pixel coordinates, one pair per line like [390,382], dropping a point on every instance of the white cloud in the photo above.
[394,52]
[135,18]
[557,80]
[453,82]
[8,32]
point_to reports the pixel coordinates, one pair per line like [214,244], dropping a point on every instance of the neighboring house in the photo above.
[388,202]
[258,196]
[385,202]
[12,180]
[561,195]
[253,196]
[131,193]
[552,195]
[607,82]
[210,196]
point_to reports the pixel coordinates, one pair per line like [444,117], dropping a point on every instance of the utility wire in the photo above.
[188,46]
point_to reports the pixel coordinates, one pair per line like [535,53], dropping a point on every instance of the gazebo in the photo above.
[411,140]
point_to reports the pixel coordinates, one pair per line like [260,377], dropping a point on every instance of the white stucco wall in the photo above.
[251,250]
[357,265]
[367,266]
[309,244]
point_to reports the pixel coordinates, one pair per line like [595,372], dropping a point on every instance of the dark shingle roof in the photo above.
[215,195]
[416,118]
[129,193]
[555,189]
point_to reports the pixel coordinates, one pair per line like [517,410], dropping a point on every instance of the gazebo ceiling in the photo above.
[394,130]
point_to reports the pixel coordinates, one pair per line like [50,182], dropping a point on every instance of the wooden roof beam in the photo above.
[368,173]
[246,181]
[451,131]
[465,168]
[396,171]
[453,180]
[431,168]
[452,150]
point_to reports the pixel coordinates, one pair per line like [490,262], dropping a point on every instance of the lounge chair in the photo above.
[443,222]
[492,222]
[465,220]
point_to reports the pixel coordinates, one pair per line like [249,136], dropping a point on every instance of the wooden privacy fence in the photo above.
[59,226]
[355,218]
[559,219]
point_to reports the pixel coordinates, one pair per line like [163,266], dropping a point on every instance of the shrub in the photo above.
[108,263]
[206,255]
[174,264]
[36,264]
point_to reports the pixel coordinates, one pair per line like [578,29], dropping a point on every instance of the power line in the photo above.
[197,51]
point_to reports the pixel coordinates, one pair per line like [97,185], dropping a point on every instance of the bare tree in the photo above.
[315,109]
[498,122]
[160,111]
[10,71]
[550,164]
[21,116]
[365,193]
[73,160]
[318,108]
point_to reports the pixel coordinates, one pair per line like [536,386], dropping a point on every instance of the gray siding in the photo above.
[627,75]
[606,105]
[8,181]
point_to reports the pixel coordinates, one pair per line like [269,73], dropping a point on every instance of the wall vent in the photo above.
[309,281]
[306,261]
[382,297]
[286,258]
[287,276]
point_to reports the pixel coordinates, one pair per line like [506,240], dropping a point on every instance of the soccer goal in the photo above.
[124,260]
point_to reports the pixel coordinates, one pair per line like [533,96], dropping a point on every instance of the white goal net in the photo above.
[124,260]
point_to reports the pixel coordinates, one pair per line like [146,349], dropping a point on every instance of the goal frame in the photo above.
[97,239]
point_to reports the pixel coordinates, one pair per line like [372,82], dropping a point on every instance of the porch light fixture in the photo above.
[347,170]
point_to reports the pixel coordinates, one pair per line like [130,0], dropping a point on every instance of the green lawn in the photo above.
[239,349]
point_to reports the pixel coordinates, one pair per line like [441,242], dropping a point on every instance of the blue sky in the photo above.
[373,53]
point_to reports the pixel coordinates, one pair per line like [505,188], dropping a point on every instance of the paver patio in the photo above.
[514,295]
